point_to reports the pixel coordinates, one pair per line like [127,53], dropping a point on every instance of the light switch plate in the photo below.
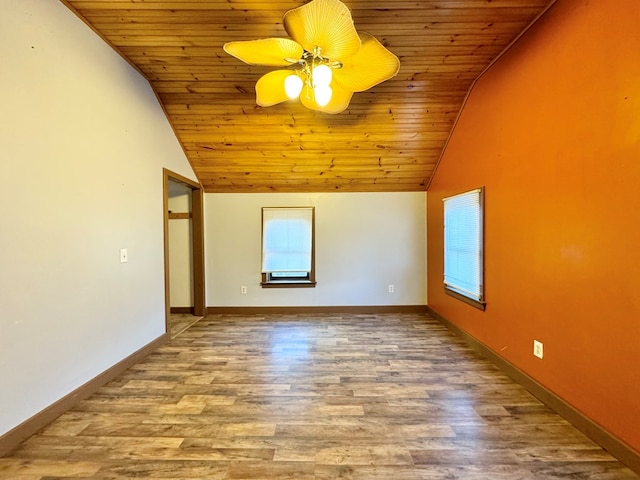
[538,349]
[123,255]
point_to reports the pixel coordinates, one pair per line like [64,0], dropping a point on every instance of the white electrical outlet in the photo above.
[243,290]
[391,288]
[538,349]
[123,255]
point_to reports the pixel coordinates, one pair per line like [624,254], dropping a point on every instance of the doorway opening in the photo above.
[183,252]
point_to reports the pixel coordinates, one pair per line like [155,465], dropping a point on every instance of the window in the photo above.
[288,247]
[463,247]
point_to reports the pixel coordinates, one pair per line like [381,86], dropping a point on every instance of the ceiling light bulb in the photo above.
[322,76]
[293,86]
[322,94]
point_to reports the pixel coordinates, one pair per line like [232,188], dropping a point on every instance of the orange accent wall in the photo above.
[552,131]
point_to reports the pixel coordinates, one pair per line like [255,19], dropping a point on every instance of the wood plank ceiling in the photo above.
[389,139]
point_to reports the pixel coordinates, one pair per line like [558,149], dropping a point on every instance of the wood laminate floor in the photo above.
[179,322]
[367,397]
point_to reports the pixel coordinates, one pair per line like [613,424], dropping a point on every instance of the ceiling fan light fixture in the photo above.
[321,76]
[293,85]
[328,52]
[322,94]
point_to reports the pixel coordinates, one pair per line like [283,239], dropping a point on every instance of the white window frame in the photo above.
[299,271]
[464,247]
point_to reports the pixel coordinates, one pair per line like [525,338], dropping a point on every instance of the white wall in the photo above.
[364,242]
[82,146]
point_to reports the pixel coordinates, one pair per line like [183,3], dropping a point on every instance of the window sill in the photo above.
[469,301]
[288,284]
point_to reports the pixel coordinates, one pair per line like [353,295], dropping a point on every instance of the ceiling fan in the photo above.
[327,59]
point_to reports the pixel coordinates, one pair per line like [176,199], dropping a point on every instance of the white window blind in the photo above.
[287,235]
[463,250]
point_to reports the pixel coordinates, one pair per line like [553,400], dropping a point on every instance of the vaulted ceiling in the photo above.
[389,139]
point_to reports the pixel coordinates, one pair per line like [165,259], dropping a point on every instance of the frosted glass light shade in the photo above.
[322,94]
[293,86]
[321,76]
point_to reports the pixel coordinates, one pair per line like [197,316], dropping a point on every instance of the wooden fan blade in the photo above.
[271,52]
[270,88]
[326,24]
[372,64]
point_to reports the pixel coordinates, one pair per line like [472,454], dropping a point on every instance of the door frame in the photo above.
[197,242]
